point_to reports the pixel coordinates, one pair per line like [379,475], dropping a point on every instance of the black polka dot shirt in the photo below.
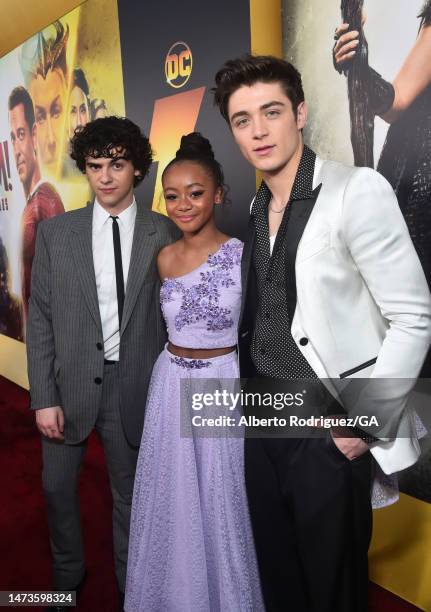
[273,349]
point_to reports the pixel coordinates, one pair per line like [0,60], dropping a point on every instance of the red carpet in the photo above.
[25,562]
[25,558]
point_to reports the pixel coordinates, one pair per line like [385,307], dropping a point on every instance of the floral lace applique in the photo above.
[200,301]
[190,364]
[169,285]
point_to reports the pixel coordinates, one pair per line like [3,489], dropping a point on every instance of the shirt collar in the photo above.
[126,218]
[35,188]
[302,188]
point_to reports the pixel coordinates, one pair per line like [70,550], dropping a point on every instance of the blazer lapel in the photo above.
[82,252]
[299,215]
[143,252]
[246,262]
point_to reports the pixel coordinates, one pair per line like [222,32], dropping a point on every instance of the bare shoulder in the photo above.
[166,259]
[224,238]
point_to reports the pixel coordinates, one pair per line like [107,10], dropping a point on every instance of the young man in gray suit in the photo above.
[94,333]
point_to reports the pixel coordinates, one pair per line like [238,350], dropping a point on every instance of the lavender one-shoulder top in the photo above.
[201,308]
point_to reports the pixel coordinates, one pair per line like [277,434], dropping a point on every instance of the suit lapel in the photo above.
[299,215]
[143,252]
[246,262]
[82,252]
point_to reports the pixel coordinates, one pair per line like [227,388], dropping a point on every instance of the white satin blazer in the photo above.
[362,299]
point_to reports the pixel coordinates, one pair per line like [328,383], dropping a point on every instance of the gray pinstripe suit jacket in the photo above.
[64,333]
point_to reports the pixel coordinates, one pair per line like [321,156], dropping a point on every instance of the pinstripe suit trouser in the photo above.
[61,467]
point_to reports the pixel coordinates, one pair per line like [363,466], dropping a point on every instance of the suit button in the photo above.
[98,380]
[267,315]
[262,351]
[303,341]
[99,346]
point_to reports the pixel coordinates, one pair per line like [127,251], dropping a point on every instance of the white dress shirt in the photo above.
[104,269]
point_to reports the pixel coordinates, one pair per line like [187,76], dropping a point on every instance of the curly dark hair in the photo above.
[251,69]
[107,137]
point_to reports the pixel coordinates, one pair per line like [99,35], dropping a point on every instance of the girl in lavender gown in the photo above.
[191,547]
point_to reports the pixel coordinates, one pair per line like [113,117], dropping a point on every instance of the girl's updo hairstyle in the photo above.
[194,147]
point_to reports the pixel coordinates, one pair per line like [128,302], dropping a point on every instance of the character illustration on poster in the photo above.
[405,104]
[405,159]
[79,101]
[46,95]
[42,200]
[81,106]
[44,66]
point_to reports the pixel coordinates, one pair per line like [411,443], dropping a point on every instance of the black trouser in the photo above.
[311,515]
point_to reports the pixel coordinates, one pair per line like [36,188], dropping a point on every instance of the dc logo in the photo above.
[178,64]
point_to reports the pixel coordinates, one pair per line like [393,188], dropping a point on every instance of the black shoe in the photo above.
[77,588]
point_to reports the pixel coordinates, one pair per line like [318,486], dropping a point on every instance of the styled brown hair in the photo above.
[250,69]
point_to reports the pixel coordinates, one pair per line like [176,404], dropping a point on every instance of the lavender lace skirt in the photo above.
[191,547]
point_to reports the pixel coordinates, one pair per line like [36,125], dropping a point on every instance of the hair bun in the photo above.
[194,145]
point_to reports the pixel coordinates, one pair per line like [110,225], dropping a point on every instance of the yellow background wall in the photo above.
[400,554]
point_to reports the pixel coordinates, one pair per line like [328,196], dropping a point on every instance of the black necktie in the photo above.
[118,267]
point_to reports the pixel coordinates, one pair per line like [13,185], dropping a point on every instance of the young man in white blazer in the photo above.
[332,288]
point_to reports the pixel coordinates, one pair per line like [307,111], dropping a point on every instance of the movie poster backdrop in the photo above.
[64,76]
[154,62]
